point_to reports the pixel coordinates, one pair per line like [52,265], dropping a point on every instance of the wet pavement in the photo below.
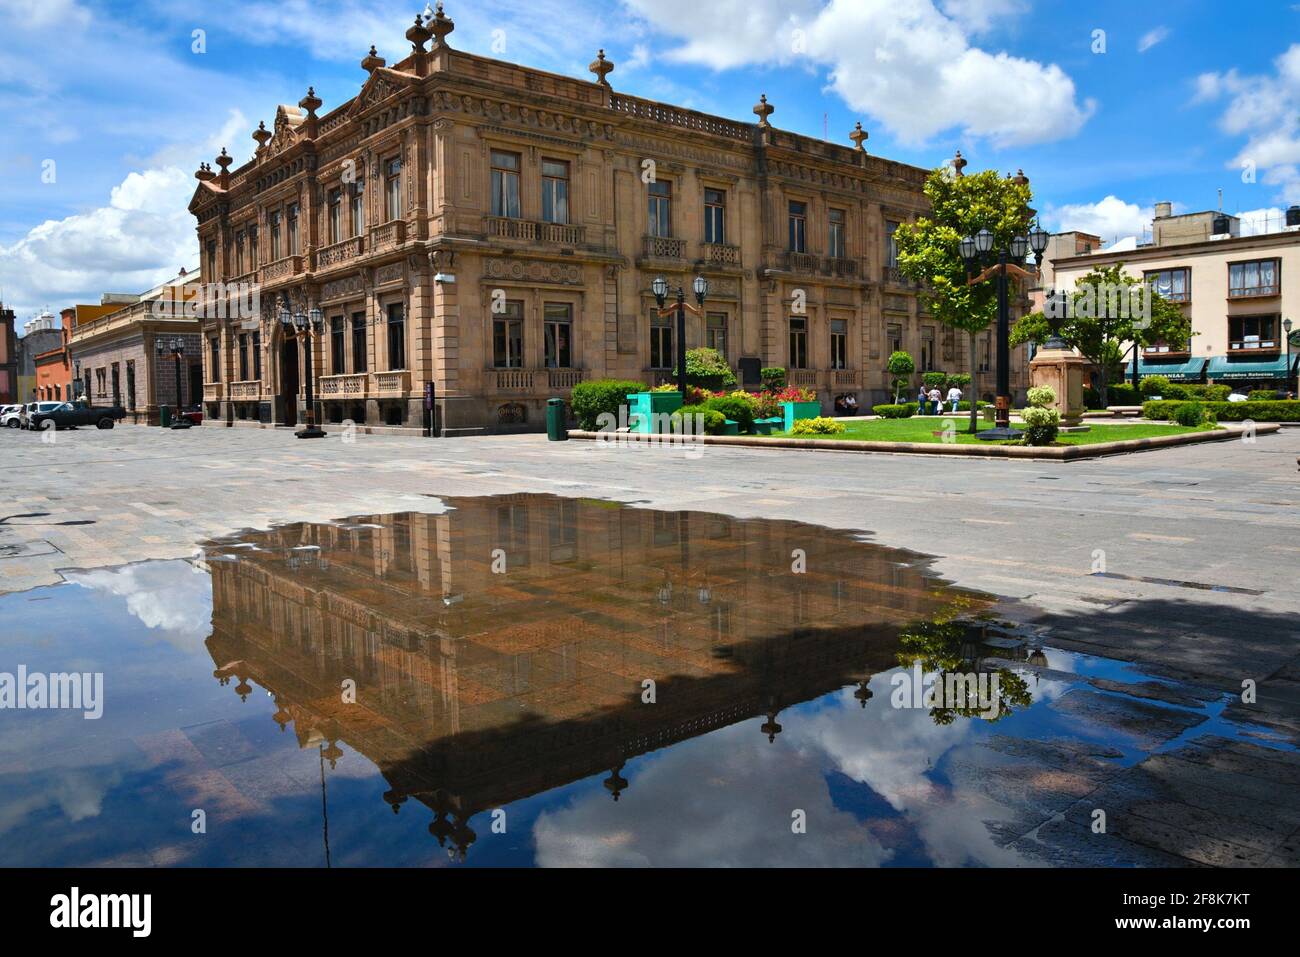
[537,680]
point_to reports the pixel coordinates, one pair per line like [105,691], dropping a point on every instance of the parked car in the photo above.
[69,415]
[11,416]
[194,414]
[33,408]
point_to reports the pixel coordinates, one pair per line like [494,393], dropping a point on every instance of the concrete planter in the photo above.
[644,406]
[790,411]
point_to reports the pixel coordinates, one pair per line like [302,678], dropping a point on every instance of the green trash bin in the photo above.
[556,429]
[165,416]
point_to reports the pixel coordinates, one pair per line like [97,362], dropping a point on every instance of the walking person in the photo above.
[954,397]
[922,401]
[936,401]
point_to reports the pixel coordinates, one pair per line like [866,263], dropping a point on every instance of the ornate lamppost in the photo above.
[660,289]
[304,324]
[978,251]
[176,346]
[1286,332]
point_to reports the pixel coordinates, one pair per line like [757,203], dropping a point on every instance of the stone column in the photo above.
[1062,369]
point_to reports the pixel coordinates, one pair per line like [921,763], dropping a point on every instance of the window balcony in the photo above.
[560,234]
[846,379]
[248,389]
[720,254]
[801,262]
[387,236]
[843,268]
[663,247]
[285,268]
[342,252]
[347,386]
[801,377]
[394,383]
[212,391]
[893,276]
[529,382]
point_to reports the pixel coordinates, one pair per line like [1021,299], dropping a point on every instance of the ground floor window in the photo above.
[894,334]
[559,335]
[839,343]
[396,336]
[716,332]
[661,344]
[798,343]
[508,336]
[927,349]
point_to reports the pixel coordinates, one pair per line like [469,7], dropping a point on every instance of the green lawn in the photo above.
[923,429]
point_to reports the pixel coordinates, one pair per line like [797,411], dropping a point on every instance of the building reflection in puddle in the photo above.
[515,644]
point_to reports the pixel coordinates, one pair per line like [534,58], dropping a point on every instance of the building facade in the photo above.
[53,367]
[1237,290]
[124,356]
[488,233]
[9,393]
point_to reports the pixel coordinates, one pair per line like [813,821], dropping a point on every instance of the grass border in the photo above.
[1059,454]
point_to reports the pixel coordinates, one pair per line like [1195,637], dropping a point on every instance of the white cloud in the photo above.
[1269,219]
[170,597]
[1110,218]
[1265,110]
[1151,38]
[901,61]
[142,236]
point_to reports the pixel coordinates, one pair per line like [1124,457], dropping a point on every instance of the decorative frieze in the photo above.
[532,270]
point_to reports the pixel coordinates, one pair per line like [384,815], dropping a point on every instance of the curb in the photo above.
[1060,454]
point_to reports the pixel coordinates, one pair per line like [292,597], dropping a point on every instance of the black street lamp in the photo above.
[304,324]
[1286,334]
[176,346]
[660,289]
[978,250]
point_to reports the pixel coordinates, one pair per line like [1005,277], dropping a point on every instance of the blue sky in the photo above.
[1172,102]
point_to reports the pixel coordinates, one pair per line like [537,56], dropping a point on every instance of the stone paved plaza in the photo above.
[1200,550]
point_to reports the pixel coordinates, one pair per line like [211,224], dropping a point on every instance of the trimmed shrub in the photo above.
[1123,394]
[822,425]
[901,410]
[708,369]
[935,380]
[714,421]
[737,406]
[592,398]
[1157,385]
[1041,396]
[773,378]
[1188,413]
[1041,424]
[1262,395]
[960,379]
[1277,411]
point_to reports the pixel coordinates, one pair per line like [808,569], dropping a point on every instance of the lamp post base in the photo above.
[181,424]
[311,432]
[1002,433]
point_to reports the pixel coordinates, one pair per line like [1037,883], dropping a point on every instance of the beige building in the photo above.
[115,352]
[490,232]
[1238,291]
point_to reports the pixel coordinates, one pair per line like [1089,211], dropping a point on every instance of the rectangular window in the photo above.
[252,248]
[336,215]
[986,353]
[891,246]
[835,241]
[555,191]
[130,384]
[927,349]
[505,184]
[337,342]
[117,385]
[839,343]
[798,215]
[1256,278]
[293,229]
[1253,332]
[798,343]
[214,349]
[239,253]
[508,336]
[358,342]
[257,356]
[559,335]
[661,208]
[716,332]
[661,343]
[715,216]
[396,336]
[393,188]
[358,206]
[210,268]
[1172,284]
[243,357]
[894,335]
[275,236]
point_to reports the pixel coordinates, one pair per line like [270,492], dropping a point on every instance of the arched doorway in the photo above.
[289,380]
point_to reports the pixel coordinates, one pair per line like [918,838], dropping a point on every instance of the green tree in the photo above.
[928,250]
[1105,312]
[899,366]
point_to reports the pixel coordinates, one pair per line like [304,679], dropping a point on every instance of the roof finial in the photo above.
[602,68]
[372,61]
[440,26]
[764,109]
[959,163]
[857,136]
[418,34]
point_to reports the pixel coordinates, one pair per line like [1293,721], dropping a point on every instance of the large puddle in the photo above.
[536,680]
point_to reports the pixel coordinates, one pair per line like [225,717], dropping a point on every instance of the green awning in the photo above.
[1226,367]
[1189,371]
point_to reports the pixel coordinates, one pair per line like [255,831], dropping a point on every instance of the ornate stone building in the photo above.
[493,230]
